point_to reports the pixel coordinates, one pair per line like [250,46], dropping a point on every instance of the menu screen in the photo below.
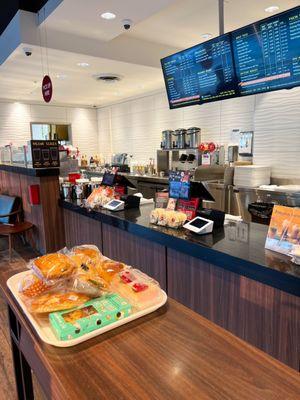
[200,74]
[267,53]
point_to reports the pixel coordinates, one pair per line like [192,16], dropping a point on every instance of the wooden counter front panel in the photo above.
[143,254]
[259,314]
[82,230]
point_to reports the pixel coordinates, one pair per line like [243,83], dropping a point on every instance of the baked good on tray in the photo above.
[137,288]
[32,286]
[57,301]
[53,266]
[109,268]
[88,252]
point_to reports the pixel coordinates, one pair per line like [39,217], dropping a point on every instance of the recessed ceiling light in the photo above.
[108,15]
[83,64]
[271,9]
[61,76]
[206,35]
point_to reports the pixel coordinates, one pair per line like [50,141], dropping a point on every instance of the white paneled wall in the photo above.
[135,126]
[15,121]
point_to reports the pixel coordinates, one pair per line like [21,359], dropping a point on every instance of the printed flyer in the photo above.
[284,230]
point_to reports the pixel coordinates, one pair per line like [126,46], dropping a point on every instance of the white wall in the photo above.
[135,126]
[15,121]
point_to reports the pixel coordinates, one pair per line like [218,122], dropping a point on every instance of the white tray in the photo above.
[42,325]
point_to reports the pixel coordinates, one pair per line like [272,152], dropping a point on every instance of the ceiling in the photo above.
[20,78]
[182,23]
[74,32]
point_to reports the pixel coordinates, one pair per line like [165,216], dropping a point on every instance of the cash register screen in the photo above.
[198,223]
[108,179]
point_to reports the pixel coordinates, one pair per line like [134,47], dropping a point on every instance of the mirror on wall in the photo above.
[49,131]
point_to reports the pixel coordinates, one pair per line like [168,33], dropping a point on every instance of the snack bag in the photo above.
[53,266]
[137,288]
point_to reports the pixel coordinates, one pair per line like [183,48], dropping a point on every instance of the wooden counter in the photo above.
[173,353]
[47,217]
[205,280]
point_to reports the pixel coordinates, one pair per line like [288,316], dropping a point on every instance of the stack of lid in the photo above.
[252,176]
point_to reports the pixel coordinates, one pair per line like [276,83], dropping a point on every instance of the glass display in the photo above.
[267,53]
[201,73]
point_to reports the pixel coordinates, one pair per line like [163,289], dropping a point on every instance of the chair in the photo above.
[10,219]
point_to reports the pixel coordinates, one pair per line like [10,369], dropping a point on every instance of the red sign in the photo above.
[47,88]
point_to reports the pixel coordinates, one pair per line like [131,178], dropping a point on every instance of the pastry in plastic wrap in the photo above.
[175,219]
[137,288]
[156,214]
[53,266]
[56,301]
[163,217]
[87,251]
[32,286]
[99,197]
[109,268]
[88,280]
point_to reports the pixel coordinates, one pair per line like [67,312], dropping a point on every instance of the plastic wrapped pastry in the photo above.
[175,219]
[32,286]
[87,250]
[156,214]
[86,257]
[99,197]
[163,217]
[137,288]
[56,301]
[109,268]
[53,266]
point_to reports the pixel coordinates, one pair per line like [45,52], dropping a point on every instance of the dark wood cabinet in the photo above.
[147,256]
[82,230]
[259,314]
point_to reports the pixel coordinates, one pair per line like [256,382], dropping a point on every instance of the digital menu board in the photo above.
[201,73]
[267,53]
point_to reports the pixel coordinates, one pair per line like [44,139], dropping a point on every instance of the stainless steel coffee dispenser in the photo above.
[179,136]
[193,137]
[167,137]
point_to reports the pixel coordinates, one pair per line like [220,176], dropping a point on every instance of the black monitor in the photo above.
[267,53]
[200,74]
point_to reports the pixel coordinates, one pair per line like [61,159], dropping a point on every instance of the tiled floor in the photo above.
[7,382]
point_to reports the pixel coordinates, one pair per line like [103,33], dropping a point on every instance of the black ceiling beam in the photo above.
[9,8]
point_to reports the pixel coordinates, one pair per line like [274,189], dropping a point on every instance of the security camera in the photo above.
[27,51]
[127,24]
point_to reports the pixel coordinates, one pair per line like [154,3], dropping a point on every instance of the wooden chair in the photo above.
[11,223]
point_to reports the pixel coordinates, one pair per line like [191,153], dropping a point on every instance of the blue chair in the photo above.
[10,219]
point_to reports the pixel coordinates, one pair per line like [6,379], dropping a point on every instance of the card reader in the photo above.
[200,225]
[115,205]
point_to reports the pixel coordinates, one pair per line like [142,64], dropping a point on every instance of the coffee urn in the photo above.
[193,137]
[179,139]
[166,142]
